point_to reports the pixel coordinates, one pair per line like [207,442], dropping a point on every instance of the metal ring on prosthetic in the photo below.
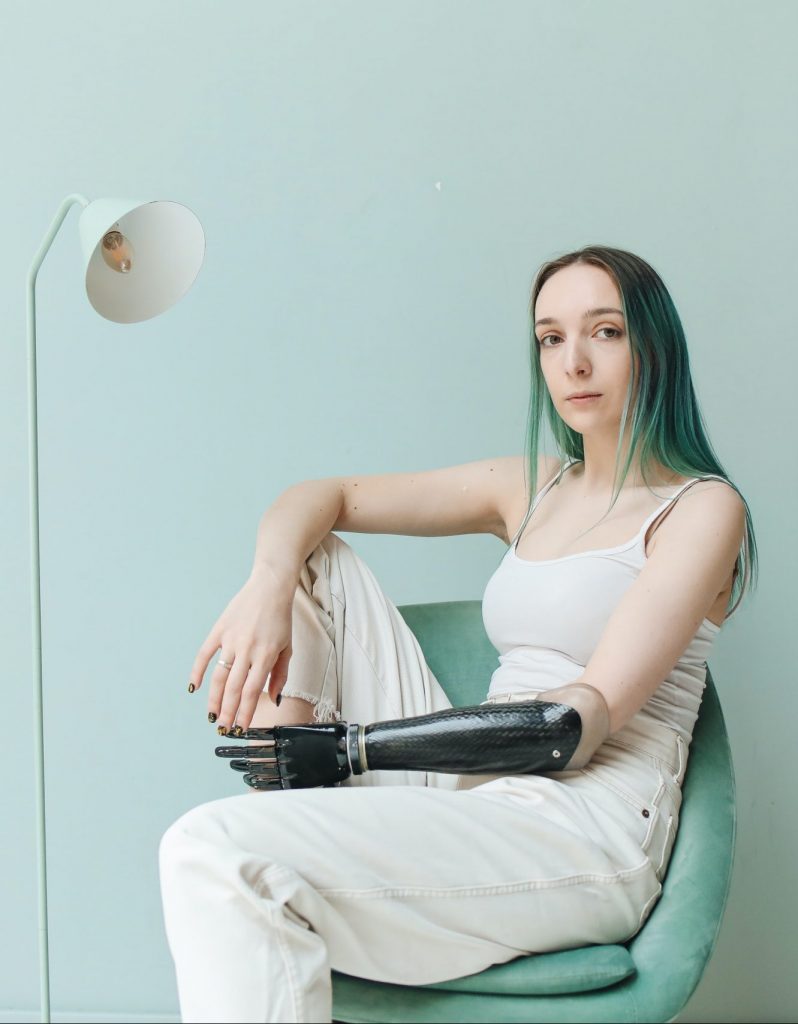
[517,738]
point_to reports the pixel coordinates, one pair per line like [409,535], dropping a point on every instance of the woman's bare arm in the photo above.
[254,631]
[469,498]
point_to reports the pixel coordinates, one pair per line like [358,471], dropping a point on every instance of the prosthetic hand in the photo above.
[557,734]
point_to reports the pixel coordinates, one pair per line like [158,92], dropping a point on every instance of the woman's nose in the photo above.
[576,359]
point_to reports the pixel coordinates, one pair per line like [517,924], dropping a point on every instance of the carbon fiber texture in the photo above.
[526,737]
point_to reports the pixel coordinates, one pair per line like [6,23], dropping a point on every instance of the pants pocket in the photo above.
[639,814]
[681,748]
[642,782]
[664,826]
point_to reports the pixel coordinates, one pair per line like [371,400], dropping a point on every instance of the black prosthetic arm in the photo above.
[534,736]
[517,738]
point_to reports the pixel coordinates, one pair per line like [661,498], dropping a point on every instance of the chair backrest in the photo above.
[456,647]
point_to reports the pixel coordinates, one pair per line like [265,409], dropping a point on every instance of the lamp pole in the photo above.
[169,249]
[36,600]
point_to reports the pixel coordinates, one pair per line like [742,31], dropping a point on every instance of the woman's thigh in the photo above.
[413,884]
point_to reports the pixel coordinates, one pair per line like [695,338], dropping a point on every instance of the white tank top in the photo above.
[546,618]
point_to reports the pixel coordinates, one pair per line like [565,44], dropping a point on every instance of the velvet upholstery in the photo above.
[648,979]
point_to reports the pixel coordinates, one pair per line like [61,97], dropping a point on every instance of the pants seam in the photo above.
[388,696]
[347,629]
[647,753]
[290,969]
[447,892]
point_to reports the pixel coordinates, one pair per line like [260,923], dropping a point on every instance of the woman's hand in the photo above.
[254,634]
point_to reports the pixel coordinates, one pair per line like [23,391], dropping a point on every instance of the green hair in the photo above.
[666,422]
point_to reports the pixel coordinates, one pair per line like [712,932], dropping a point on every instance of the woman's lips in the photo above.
[586,399]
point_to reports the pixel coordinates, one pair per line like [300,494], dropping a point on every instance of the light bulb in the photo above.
[117,251]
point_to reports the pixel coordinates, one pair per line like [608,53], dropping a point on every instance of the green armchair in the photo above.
[651,977]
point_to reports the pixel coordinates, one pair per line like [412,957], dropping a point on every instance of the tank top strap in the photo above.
[555,479]
[669,502]
[539,496]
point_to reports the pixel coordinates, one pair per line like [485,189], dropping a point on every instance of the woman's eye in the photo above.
[615,332]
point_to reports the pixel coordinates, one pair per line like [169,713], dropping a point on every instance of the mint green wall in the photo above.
[378,183]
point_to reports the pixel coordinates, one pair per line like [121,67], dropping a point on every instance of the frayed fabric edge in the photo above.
[323,708]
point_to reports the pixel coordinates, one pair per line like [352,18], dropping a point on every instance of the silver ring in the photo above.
[226,664]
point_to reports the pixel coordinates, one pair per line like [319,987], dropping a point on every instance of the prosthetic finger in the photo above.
[260,734]
[245,766]
[252,751]
[263,782]
[266,773]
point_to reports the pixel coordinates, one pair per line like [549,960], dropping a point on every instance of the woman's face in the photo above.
[584,346]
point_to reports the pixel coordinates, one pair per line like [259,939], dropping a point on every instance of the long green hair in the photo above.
[666,422]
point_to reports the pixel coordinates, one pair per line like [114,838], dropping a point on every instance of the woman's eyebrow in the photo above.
[585,316]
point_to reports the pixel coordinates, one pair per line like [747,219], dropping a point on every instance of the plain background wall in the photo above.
[378,183]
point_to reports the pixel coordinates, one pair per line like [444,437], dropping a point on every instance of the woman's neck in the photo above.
[595,481]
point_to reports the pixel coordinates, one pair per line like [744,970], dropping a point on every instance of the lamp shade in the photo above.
[167,245]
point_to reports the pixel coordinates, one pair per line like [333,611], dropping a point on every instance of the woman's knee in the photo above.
[222,832]
[185,837]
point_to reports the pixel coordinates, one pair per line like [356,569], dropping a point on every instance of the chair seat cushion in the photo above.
[570,970]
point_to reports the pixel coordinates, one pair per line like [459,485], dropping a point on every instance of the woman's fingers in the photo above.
[252,636]
[237,693]
[220,677]
[226,687]
[279,674]
[200,666]
[250,695]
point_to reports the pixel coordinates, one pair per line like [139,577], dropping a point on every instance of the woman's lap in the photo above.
[414,884]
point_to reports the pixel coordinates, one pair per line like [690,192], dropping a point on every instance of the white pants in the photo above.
[402,876]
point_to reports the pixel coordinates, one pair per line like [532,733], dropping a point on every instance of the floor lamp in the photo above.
[140,258]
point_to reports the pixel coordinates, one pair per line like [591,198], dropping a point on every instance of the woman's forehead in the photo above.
[574,290]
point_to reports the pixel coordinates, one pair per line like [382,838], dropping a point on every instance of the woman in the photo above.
[607,601]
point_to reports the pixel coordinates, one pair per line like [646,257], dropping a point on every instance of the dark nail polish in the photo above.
[278,698]
[191,687]
[222,730]
[211,716]
[237,731]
